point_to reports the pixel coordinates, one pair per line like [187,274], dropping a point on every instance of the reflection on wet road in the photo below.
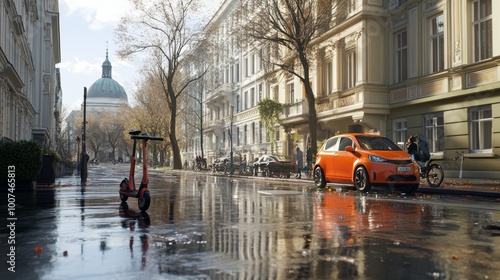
[207,227]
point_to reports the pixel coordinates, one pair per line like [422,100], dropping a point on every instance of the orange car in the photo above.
[365,160]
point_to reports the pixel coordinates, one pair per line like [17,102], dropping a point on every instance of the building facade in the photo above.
[394,68]
[30,88]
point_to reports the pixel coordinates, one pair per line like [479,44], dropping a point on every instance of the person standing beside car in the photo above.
[413,148]
[300,163]
[309,157]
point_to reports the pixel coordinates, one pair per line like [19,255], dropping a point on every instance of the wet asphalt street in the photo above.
[201,226]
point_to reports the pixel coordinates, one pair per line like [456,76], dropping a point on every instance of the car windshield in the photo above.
[377,143]
[281,158]
[274,158]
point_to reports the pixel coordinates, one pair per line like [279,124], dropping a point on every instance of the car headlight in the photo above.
[376,158]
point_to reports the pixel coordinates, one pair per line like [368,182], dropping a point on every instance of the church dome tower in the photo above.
[106,93]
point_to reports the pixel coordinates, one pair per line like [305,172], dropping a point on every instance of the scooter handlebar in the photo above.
[145,136]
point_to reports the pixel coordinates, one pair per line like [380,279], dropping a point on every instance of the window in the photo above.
[237,136]
[344,142]
[480,128]
[252,97]
[245,133]
[328,77]
[238,105]
[232,74]
[260,93]
[350,68]
[401,57]
[351,6]
[261,132]
[245,67]
[276,92]
[331,144]
[252,64]
[259,60]
[237,72]
[253,133]
[399,131]
[291,93]
[483,30]
[437,43]
[245,100]
[434,131]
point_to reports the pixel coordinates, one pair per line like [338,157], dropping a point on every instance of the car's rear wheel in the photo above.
[319,177]
[361,180]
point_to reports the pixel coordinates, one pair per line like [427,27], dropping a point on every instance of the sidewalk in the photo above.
[475,187]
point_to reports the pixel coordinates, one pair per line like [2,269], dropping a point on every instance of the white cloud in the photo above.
[98,13]
[81,67]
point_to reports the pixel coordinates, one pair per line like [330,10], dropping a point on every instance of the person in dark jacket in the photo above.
[300,163]
[412,148]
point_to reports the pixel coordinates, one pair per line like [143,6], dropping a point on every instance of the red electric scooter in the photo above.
[127,186]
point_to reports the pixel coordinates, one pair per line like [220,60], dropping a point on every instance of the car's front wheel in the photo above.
[319,177]
[361,180]
[267,172]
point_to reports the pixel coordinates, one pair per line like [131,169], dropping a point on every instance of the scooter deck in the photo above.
[134,193]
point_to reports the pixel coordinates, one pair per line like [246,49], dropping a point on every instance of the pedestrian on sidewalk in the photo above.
[309,158]
[300,163]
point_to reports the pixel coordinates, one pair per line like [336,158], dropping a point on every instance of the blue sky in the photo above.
[87,29]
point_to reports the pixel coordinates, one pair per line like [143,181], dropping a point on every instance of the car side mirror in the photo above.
[349,149]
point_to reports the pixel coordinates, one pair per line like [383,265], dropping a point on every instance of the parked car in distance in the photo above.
[270,165]
[223,164]
[365,160]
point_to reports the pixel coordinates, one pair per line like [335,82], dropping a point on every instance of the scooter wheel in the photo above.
[144,200]
[123,187]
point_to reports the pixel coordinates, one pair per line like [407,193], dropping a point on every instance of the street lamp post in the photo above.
[231,115]
[78,154]
[84,148]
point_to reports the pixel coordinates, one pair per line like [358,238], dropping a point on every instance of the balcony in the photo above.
[298,108]
[220,94]
[214,126]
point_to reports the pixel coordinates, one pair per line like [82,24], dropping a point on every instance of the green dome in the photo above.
[106,86]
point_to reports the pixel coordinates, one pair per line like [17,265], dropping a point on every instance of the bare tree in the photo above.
[113,128]
[152,114]
[164,29]
[287,29]
[95,135]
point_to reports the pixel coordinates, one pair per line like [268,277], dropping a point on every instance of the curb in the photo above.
[469,192]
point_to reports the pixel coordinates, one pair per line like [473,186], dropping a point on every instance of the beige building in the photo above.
[389,67]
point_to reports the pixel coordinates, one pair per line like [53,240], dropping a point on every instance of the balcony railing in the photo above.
[295,109]
[332,102]
[224,91]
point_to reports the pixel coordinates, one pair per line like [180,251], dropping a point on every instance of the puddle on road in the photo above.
[279,192]
[205,227]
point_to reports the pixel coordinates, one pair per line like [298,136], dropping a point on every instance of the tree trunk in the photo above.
[173,121]
[311,102]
